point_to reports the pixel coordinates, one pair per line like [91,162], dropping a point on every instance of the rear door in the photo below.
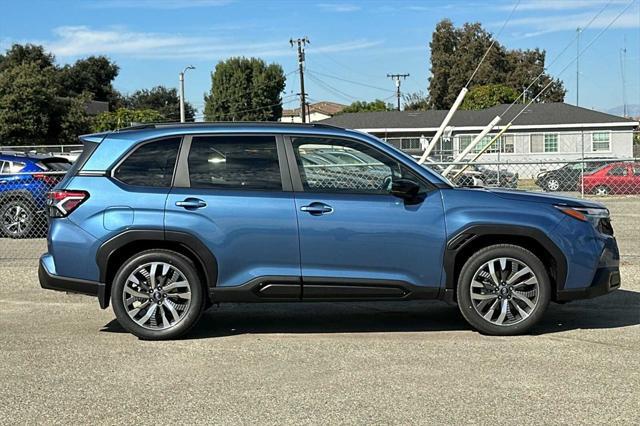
[232,194]
[618,179]
[635,179]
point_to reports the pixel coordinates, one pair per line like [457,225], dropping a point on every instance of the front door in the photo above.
[231,193]
[352,230]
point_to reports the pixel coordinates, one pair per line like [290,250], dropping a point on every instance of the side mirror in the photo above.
[406,189]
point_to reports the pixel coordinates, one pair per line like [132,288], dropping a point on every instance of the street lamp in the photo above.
[190,67]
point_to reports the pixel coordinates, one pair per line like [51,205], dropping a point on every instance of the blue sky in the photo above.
[359,41]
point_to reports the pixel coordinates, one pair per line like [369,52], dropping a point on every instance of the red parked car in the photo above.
[613,178]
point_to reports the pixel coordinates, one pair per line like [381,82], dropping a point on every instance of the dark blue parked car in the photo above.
[24,183]
[165,220]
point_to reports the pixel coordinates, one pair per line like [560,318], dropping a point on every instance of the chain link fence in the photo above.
[580,178]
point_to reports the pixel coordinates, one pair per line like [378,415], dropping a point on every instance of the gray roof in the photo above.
[536,114]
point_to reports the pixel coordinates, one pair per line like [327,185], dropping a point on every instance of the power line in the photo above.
[524,92]
[576,58]
[350,81]
[330,88]
[282,102]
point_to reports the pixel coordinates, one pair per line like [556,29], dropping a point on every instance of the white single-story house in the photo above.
[543,132]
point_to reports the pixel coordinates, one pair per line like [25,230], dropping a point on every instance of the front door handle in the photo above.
[191,203]
[317,209]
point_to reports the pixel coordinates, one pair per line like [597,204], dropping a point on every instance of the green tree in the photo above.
[123,117]
[27,94]
[94,75]
[417,101]
[164,100]
[480,97]
[72,119]
[245,89]
[20,54]
[456,52]
[364,106]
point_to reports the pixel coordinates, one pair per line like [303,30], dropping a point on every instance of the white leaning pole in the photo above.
[444,124]
[473,144]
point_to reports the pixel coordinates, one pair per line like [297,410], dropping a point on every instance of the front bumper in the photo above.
[50,281]
[605,280]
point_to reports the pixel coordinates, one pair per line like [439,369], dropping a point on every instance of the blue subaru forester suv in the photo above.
[165,220]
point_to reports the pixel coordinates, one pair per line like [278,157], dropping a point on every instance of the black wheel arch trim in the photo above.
[191,243]
[471,233]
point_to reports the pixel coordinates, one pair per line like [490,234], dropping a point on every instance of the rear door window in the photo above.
[235,162]
[151,164]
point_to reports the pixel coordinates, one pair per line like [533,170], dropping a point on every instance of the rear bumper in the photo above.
[604,281]
[50,281]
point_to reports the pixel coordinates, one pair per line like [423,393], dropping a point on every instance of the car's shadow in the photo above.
[618,309]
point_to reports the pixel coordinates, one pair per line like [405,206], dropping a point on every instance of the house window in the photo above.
[537,143]
[550,142]
[601,141]
[503,144]
[464,141]
[410,143]
[507,142]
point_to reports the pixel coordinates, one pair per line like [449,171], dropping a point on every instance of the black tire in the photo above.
[192,312]
[602,190]
[16,218]
[553,185]
[475,263]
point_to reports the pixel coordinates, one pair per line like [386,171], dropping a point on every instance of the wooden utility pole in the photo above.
[301,43]
[396,78]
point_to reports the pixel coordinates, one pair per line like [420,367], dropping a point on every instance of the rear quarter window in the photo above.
[150,164]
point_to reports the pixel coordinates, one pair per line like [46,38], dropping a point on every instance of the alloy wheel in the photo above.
[504,291]
[15,220]
[553,185]
[602,190]
[157,295]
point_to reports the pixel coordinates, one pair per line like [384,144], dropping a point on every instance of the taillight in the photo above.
[62,202]
[50,180]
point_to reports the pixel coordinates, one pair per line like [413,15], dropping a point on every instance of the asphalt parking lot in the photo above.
[63,360]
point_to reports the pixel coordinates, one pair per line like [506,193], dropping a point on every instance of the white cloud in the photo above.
[74,41]
[542,5]
[156,4]
[339,7]
[537,25]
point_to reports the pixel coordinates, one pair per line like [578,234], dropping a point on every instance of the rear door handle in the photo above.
[191,203]
[317,209]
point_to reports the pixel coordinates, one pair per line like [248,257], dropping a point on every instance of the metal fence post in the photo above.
[582,165]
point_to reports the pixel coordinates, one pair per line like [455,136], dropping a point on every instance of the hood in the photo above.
[538,197]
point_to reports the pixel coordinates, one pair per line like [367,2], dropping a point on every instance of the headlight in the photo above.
[586,214]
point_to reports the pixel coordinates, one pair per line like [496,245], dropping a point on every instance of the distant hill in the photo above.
[633,110]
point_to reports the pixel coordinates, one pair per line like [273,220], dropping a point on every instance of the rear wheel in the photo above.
[503,290]
[16,218]
[601,190]
[157,295]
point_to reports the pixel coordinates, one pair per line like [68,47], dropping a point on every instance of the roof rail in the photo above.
[225,123]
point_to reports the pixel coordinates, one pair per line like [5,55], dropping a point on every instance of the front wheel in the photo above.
[157,295]
[503,290]
[553,185]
